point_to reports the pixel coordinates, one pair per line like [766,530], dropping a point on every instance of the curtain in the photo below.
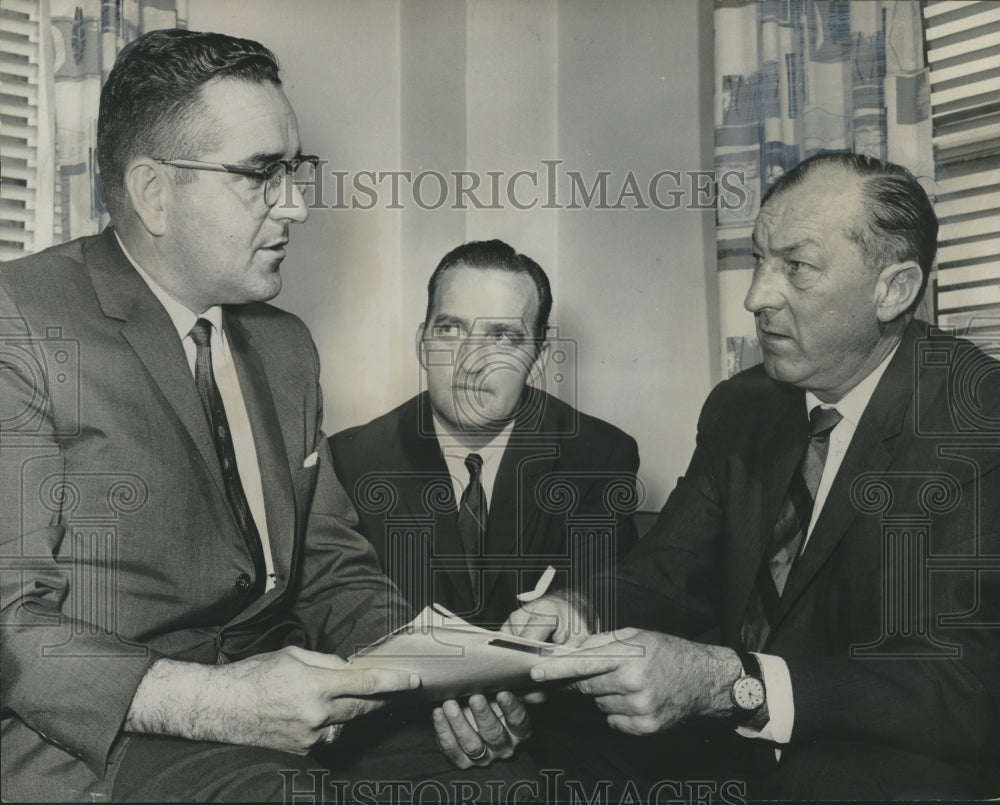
[86,36]
[793,77]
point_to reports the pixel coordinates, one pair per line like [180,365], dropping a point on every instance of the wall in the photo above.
[591,87]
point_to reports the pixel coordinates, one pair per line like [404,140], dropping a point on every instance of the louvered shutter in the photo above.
[963,56]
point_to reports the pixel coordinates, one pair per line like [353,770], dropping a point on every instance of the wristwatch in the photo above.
[748,691]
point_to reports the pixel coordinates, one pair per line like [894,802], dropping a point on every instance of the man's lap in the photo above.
[387,759]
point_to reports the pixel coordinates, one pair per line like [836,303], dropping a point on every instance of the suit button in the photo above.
[243,582]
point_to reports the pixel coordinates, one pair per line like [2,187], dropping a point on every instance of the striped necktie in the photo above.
[789,531]
[211,400]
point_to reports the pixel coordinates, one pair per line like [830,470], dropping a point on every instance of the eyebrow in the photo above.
[506,327]
[444,318]
[790,248]
[262,159]
[797,246]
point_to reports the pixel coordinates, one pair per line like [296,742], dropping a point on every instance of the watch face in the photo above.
[748,693]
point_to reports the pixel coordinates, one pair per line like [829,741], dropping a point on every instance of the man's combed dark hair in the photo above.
[150,105]
[498,255]
[900,223]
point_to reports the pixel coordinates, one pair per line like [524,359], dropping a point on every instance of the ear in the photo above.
[896,289]
[418,342]
[148,191]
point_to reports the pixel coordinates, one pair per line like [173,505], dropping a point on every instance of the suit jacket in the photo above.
[564,494]
[118,544]
[890,618]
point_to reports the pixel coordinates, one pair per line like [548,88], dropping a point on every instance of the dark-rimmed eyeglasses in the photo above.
[301,170]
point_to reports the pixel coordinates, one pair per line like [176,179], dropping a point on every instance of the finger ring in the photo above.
[331,734]
[480,755]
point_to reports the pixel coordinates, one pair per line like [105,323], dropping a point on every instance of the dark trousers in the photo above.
[582,760]
[384,758]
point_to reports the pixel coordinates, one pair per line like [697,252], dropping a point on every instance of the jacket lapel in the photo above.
[149,331]
[422,453]
[782,444]
[514,516]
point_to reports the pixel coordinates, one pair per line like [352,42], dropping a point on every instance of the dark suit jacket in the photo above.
[118,543]
[890,620]
[564,495]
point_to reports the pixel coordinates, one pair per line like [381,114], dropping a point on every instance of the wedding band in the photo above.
[331,734]
[479,755]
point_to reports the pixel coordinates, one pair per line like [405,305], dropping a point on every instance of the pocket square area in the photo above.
[311,459]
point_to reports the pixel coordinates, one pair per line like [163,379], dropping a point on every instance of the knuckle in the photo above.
[369,682]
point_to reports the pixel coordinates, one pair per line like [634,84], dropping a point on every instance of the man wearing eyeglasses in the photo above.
[180,577]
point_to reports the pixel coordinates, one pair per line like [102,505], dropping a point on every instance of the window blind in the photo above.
[26,130]
[963,57]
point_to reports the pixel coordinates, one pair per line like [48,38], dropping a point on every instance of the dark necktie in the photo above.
[790,530]
[472,510]
[211,400]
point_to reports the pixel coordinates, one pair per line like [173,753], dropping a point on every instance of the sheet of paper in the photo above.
[455,658]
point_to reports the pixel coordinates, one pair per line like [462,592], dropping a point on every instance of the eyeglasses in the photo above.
[302,170]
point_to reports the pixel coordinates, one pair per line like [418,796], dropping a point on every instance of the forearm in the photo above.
[719,667]
[184,699]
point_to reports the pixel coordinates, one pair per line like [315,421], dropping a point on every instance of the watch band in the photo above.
[751,665]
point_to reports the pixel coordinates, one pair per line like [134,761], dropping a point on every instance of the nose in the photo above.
[765,287]
[291,205]
[470,360]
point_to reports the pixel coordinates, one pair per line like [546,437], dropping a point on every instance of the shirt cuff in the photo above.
[780,705]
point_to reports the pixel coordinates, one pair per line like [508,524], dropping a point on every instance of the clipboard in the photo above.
[454,658]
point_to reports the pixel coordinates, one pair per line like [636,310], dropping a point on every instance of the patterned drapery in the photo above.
[86,37]
[793,77]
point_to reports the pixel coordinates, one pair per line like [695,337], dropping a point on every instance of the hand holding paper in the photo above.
[455,658]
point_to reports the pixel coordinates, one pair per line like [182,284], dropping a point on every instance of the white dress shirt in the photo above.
[777,680]
[228,384]
[455,453]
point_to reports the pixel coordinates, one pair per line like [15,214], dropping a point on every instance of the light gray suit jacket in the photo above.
[117,543]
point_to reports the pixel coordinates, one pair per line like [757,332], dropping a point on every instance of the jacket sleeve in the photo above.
[670,581]
[342,597]
[69,679]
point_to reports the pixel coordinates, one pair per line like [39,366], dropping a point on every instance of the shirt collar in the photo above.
[853,404]
[183,317]
[494,447]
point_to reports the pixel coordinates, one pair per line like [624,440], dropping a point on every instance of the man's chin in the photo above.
[482,425]
[781,370]
[268,288]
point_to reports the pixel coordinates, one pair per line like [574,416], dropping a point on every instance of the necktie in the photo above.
[790,530]
[211,400]
[472,510]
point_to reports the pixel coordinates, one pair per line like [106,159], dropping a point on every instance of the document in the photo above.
[455,658]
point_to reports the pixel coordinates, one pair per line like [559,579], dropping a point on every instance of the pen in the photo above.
[540,588]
